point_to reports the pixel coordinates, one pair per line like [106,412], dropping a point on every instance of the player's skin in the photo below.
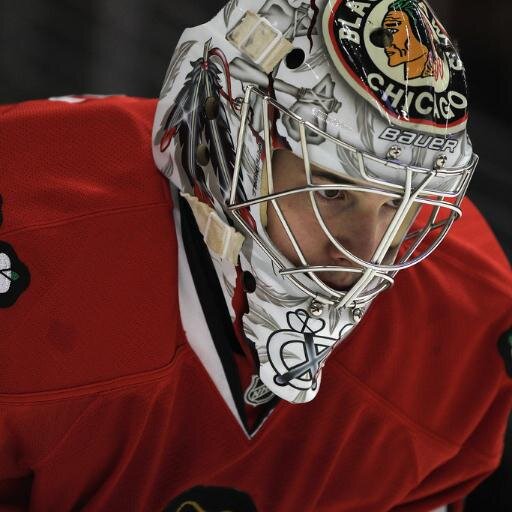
[357,220]
[404,47]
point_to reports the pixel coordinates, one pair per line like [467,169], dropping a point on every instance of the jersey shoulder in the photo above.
[88,269]
[73,155]
[430,345]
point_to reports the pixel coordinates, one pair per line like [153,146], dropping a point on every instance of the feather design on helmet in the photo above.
[217,130]
[199,115]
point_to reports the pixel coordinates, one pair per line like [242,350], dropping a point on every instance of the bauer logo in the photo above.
[419,140]
[397,54]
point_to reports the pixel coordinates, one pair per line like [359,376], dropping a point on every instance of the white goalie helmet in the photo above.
[275,115]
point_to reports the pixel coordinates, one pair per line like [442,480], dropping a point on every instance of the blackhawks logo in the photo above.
[397,53]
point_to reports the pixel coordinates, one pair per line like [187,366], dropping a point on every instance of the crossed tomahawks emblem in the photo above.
[298,354]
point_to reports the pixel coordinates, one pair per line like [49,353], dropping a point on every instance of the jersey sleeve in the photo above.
[479,455]
[75,175]
[454,480]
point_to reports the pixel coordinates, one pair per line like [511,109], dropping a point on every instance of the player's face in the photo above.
[403,46]
[357,220]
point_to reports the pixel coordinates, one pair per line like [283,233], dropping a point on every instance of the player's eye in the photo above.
[332,195]
[394,203]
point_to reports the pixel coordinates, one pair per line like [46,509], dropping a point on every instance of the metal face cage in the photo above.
[428,209]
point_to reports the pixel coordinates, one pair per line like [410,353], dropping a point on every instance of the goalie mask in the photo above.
[322,148]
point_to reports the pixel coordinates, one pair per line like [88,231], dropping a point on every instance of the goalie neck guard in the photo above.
[370,94]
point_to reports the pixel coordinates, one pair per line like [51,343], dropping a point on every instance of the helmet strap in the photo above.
[222,239]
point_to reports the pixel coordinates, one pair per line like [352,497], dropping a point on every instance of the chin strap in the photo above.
[222,239]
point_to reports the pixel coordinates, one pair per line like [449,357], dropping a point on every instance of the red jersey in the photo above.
[104,406]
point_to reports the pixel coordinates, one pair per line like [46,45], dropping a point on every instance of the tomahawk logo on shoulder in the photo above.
[407,62]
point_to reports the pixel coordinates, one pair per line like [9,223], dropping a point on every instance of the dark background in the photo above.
[54,48]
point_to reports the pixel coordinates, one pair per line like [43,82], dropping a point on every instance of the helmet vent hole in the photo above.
[211,107]
[295,58]
[203,155]
[249,282]
[381,37]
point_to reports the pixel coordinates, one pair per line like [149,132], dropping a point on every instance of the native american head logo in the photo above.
[409,40]
[397,55]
